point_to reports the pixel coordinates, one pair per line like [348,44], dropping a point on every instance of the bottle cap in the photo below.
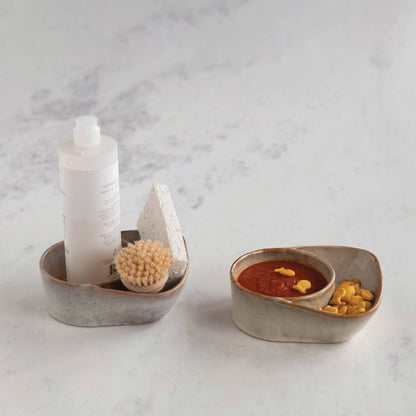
[87,132]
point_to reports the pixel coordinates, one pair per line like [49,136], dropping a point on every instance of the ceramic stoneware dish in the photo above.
[105,304]
[293,320]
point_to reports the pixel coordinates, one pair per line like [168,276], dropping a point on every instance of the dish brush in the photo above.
[144,266]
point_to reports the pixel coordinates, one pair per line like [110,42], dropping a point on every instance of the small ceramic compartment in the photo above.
[314,300]
[298,319]
[105,304]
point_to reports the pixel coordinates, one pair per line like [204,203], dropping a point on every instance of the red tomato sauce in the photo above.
[262,278]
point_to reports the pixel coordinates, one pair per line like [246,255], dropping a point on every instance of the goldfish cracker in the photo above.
[345,283]
[349,292]
[337,305]
[302,286]
[355,300]
[367,305]
[343,310]
[338,294]
[331,309]
[285,272]
[361,304]
[354,310]
[367,294]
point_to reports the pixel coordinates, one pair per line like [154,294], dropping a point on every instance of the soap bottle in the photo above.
[89,181]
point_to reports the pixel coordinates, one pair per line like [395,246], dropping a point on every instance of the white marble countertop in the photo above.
[273,124]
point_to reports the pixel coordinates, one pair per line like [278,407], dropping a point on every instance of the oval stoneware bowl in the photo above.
[105,304]
[283,319]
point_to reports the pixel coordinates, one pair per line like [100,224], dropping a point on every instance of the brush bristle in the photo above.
[144,262]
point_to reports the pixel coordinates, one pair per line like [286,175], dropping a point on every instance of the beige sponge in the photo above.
[158,221]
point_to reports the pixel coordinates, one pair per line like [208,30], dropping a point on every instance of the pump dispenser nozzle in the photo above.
[87,131]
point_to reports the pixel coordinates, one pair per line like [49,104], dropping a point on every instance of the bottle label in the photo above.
[91,210]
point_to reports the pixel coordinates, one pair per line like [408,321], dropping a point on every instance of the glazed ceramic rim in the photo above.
[290,250]
[284,301]
[93,287]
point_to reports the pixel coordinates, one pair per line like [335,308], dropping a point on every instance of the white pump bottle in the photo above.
[88,170]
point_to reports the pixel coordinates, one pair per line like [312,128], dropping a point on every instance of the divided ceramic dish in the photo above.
[105,304]
[290,320]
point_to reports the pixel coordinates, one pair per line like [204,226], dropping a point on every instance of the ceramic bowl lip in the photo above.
[95,287]
[290,250]
[286,302]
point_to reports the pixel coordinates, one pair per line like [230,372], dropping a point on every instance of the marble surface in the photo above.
[274,124]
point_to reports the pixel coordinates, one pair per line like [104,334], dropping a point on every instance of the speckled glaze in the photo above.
[282,319]
[100,305]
